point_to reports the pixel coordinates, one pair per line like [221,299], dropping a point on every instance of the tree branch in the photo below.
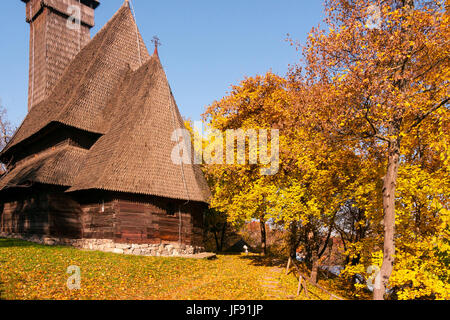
[424,116]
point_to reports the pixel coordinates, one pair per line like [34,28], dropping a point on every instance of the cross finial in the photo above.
[157,43]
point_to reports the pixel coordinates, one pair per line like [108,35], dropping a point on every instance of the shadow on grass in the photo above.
[266,261]
[10,243]
[228,253]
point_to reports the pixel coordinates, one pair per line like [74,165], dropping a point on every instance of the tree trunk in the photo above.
[389,188]
[288,265]
[222,238]
[293,240]
[263,236]
[315,267]
[217,241]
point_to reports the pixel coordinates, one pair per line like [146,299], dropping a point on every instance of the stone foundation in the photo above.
[105,245]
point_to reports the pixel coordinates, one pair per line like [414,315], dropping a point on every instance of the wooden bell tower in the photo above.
[58,31]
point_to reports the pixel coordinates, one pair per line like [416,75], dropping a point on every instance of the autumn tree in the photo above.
[384,70]
[239,187]
[215,222]
[352,225]
[315,171]
[307,201]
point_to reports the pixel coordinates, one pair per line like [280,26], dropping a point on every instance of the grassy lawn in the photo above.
[31,271]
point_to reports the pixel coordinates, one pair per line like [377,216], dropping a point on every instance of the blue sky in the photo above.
[206,45]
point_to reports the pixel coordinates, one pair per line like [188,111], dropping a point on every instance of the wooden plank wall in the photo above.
[28,215]
[125,219]
[64,216]
[52,214]
[197,211]
[137,219]
[139,222]
[98,220]
[133,223]
[150,223]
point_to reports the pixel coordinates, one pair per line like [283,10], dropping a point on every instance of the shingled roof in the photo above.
[135,155]
[57,166]
[114,89]
[80,98]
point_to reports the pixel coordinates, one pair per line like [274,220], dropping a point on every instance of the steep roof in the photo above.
[110,90]
[80,99]
[135,155]
[58,166]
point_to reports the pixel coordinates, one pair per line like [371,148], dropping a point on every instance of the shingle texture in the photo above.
[52,44]
[115,88]
[58,166]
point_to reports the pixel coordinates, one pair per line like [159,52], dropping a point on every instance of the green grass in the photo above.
[30,271]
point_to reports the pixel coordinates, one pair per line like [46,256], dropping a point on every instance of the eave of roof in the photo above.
[57,166]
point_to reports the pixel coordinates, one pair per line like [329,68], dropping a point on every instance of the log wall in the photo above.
[119,217]
[41,213]
[152,223]
[25,216]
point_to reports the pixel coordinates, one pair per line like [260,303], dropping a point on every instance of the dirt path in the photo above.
[272,285]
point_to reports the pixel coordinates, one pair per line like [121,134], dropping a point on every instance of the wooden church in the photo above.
[92,159]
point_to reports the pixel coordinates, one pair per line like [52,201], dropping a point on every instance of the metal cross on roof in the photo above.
[156,42]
